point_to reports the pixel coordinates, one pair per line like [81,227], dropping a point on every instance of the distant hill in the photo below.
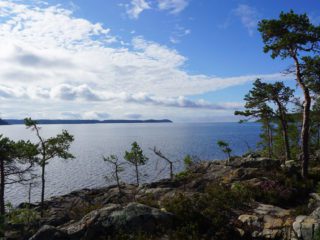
[2,122]
[61,121]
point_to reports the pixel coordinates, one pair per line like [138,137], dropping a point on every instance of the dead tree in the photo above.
[159,154]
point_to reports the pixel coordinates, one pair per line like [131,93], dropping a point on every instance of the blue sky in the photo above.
[187,60]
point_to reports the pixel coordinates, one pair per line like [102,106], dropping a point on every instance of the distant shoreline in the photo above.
[69,121]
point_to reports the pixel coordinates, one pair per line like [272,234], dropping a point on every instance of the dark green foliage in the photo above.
[266,92]
[290,34]
[136,158]
[317,235]
[188,173]
[283,190]
[78,211]
[24,216]
[150,200]
[50,148]
[207,215]
[25,220]
[257,101]
[315,125]
[224,146]
[264,114]
[310,70]
[302,209]
[184,175]
[293,137]
[133,236]
[188,161]
[16,164]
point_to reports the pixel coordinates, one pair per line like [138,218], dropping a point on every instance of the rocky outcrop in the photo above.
[49,233]
[110,220]
[271,222]
[267,222]
[92,213]
[259,162]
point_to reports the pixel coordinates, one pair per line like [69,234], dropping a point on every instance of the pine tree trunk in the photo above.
[286,139]
[284,126]
[137,174]
[318,136]
[171,170]
[305,120]
[305,133]
[2,185]
[269,140]
[42,187]
[117,179]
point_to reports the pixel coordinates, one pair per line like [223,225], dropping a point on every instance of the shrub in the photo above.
[150,200]
[78,211]
[283,191]
[207,214]
[23,220]
[21,216]
[188,161]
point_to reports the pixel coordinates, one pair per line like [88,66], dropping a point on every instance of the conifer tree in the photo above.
[53,147]
[136,158]
[293,36]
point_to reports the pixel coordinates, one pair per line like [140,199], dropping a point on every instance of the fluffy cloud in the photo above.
[136,7]
[52,61]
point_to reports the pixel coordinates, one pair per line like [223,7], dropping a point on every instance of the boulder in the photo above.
[291,166]
[48,232]
[260,162]
[305,227]
[314,201]
[115,219]
[266,222]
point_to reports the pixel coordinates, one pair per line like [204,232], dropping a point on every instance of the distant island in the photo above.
[69,121]
[2,122]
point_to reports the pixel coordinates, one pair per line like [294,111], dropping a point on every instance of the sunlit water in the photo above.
[92,141]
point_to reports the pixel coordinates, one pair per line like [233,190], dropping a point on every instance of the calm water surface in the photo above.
[92,141]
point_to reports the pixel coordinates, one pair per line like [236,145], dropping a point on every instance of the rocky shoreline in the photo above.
[105,213]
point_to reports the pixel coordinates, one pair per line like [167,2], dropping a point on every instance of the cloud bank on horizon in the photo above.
[57,65]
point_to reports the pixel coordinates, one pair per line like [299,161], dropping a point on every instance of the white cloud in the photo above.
[179,33]
[136,7]
[173,6]
[248,17]
[55,63]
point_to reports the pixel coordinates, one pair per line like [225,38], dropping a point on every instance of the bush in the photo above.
[23,220]
[78,211]
[208,214]
[150,200]
[188,161]
[284,191]
[21,216]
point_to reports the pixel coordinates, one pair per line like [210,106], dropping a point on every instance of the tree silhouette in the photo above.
[117,167]
[137,158]
[48,149]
